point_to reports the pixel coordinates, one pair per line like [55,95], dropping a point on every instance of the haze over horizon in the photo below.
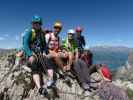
[105,22]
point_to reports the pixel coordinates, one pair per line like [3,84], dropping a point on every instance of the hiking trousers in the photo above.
[81,70]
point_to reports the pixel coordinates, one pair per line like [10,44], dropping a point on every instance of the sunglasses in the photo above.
[57,27]
[36,23]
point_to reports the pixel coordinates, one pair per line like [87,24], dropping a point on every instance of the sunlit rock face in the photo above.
[16,83]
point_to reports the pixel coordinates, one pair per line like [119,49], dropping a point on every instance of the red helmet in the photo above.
[79,29]
[105,72]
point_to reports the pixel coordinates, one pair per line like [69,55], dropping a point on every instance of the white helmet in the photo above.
[72,31]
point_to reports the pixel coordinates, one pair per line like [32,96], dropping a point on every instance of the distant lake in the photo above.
[112,59]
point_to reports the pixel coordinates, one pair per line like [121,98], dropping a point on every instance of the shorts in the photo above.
[41,64]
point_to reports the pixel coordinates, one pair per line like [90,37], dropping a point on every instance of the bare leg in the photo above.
[50,74]
[71,57]
[59,63]
[50,82]
[36,79]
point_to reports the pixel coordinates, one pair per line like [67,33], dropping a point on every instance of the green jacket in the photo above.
[73,45]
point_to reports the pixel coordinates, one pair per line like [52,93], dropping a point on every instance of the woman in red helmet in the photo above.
[80,38]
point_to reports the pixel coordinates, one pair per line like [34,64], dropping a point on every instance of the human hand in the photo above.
[31,59]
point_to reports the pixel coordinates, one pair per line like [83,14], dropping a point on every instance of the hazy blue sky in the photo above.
[105,22]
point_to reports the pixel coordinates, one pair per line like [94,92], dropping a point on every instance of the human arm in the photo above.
[26,40]
[83,41]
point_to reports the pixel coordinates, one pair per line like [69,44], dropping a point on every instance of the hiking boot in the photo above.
[50,84]
[43,91]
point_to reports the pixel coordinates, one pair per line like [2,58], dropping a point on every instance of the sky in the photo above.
[105,22]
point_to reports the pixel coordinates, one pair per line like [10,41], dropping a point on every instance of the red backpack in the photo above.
[105,72]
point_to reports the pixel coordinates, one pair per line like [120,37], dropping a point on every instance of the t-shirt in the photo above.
[52,41]
[36,46]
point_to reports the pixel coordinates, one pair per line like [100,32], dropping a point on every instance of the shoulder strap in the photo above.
[43,40]
[50,37]
[33,35]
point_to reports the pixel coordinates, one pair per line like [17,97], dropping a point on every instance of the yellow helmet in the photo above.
[58,24]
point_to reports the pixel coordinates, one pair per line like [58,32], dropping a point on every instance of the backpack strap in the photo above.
[50,37]
[33,34]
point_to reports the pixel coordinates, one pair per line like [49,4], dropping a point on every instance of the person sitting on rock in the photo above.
[80,40]
[20,58]
[53,43]
[76,65]
[56,53]
[69,44]
[34,46]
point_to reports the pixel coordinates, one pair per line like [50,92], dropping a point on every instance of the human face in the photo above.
[57,30]
[36,25]
[70,36]
[78,33]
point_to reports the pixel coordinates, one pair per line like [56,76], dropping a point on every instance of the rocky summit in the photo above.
[16,83]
